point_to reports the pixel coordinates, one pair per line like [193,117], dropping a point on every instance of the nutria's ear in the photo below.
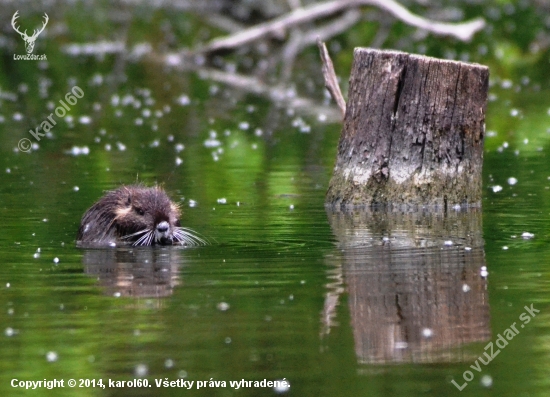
[128,194]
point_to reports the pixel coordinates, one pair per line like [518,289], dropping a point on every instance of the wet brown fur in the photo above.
[128,210]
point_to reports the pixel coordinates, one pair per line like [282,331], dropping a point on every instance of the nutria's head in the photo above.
[147,214]
[137,215]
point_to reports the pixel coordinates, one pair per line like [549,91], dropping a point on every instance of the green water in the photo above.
[284,290]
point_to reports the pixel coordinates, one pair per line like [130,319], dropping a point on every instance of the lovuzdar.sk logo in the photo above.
[29,40]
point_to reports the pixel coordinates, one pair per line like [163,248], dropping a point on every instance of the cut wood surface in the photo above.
[413,132]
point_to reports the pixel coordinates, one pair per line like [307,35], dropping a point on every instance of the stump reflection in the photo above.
[416,291]
[136,272]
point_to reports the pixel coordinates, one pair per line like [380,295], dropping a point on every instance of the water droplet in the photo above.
[179,147]
[282,386]
[141,370]
[486,381]
[483,272]
[78,151]
[427,333]
[85,120]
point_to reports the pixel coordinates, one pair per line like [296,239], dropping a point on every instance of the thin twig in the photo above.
[462,31]
[331,81]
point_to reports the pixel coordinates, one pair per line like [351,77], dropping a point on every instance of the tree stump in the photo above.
[413,133]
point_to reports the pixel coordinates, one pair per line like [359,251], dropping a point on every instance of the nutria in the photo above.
[135,215]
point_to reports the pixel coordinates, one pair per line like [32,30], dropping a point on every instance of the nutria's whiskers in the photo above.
[134,234]
[188,236]
[143,240]
[146,239]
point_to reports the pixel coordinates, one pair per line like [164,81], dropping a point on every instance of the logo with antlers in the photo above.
[29,40]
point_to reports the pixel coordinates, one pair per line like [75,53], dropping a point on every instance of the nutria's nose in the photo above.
[163,227]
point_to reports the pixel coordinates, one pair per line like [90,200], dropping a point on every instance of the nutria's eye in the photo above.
[129,201]
[139,211]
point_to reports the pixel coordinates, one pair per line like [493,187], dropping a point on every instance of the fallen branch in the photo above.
[462,31]
[331,82]
[301,40]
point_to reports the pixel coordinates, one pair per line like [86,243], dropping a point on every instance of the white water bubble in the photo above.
[282,386]
[52,356]
[179,147]
[168,363]
[141,370]
[9,332]
[183,100]
[84,119]
[486,381]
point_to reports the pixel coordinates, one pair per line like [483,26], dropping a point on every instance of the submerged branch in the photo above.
[280,94]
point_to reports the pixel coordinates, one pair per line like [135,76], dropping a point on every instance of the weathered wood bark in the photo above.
[413,132]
